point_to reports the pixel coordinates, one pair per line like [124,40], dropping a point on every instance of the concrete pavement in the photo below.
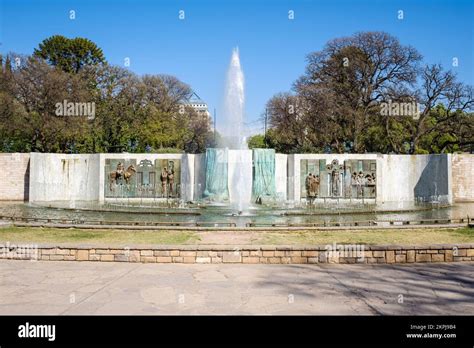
[35,287]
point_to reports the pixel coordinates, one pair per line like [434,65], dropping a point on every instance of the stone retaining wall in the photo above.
[78,177]
[14,176]
[463,178]
[244,254]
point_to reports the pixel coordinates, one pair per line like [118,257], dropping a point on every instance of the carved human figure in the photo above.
[370,180]
[373,184]
[335,182]
[360,183]
[307,184]
[314,185]
[164,180]
[354,178]
[170,180]
[119,171]
[335,178]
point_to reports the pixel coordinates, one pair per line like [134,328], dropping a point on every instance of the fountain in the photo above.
[239,157]
[234,100]
[232,184]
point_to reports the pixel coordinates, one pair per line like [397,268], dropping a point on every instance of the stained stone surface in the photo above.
[384,178]
[121,288]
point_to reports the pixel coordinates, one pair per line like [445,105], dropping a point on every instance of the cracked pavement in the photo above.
[69,288]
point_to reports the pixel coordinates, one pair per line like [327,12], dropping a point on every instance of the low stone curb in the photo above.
[245,254]
[233,229]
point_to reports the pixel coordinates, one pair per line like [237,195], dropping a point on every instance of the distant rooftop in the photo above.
[197,104]
[195,99]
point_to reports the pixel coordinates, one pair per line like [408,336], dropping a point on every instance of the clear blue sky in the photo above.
[273,48]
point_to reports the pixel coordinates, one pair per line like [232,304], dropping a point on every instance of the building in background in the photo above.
[199,105]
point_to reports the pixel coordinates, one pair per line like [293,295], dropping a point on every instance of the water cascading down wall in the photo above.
[263,184]
[216,187]
[218,178]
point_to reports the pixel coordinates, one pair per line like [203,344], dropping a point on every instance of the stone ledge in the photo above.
[213,247]
[132,227]
[265,254]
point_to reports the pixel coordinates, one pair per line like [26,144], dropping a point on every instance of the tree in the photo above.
[132,113]
[345,82]
[167,119]
[289,123]
[199,135]
[337,103]
[70,55]
[447,109]
[256,141]
[29,107]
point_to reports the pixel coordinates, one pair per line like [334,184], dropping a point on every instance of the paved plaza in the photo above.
[28,287]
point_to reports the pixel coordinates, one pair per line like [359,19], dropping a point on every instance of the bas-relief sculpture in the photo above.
[143,180]
[121,174]
[167,178]
[353,179]
[335,170]
[312,185]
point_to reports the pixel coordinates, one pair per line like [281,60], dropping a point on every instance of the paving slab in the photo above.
[35,287]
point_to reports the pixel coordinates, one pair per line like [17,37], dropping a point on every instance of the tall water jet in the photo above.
[234,102]
[232,130]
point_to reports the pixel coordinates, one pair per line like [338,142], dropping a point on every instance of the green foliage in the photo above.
[256,141]
[167,150]
[132,113]
[336,105]
[70,55]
